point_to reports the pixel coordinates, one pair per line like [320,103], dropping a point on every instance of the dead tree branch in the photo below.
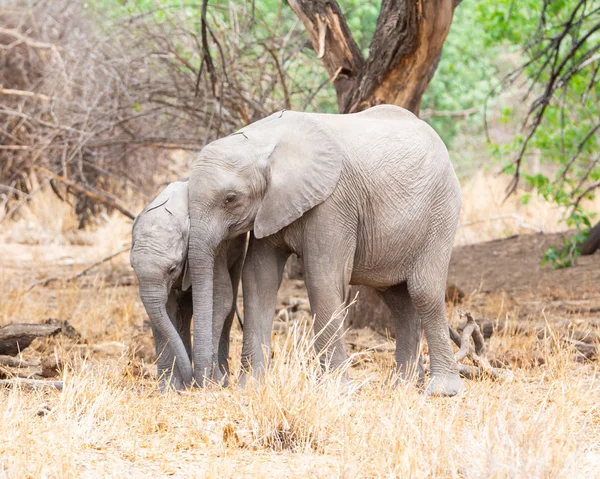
[426,114]
[102,104]
[66,279]
[93,194]
[558,54]
[30,94]
[18,362]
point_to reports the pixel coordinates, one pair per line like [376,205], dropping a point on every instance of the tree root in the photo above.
[481,366]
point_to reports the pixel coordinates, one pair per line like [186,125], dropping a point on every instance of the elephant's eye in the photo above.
[230,198]
[172,269]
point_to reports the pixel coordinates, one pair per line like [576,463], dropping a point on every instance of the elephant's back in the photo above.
[389,143]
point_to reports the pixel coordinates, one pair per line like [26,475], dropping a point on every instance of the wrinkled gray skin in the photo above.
[159,253]
[369,198]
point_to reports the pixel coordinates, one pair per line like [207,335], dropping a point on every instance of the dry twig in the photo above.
[83,110]
[81,273]
[15,362]
[519,219]
[92,193]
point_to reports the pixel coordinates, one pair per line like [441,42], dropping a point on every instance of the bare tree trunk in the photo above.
[403,55]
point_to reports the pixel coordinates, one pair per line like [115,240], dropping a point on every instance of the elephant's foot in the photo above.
[449,384]
[253,370]
[169,381]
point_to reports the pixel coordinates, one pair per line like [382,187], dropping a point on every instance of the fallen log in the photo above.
[32,383]
[16,337]
[588,337]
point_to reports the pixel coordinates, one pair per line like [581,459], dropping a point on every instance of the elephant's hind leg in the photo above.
[427,292]
[407,327]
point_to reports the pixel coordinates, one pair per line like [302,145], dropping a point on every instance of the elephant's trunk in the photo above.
[202,261]
[155,302]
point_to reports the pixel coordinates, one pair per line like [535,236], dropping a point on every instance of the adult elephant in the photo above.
[369,198]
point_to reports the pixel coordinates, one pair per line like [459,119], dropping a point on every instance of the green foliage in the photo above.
[248,28]
[566,256]
[560,75]
[361,17]
[463,79]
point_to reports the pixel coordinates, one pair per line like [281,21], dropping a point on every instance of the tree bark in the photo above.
[333,42]
[16,337]
[403,55]
[592,243]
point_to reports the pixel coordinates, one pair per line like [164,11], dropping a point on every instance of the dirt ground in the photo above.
[513,265]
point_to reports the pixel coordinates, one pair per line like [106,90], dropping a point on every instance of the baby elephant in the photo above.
[159,250]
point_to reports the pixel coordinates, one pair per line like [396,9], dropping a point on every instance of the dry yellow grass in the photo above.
[110,422]
[486,216]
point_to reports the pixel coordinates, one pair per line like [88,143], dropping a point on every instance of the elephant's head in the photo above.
[158,256]
[262,178]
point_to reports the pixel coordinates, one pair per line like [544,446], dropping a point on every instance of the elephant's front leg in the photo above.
[184,322]
[222,305]
[261,277]
[327,287]
[235,273]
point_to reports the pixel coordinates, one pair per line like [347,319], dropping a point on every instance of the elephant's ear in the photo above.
[304,166]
